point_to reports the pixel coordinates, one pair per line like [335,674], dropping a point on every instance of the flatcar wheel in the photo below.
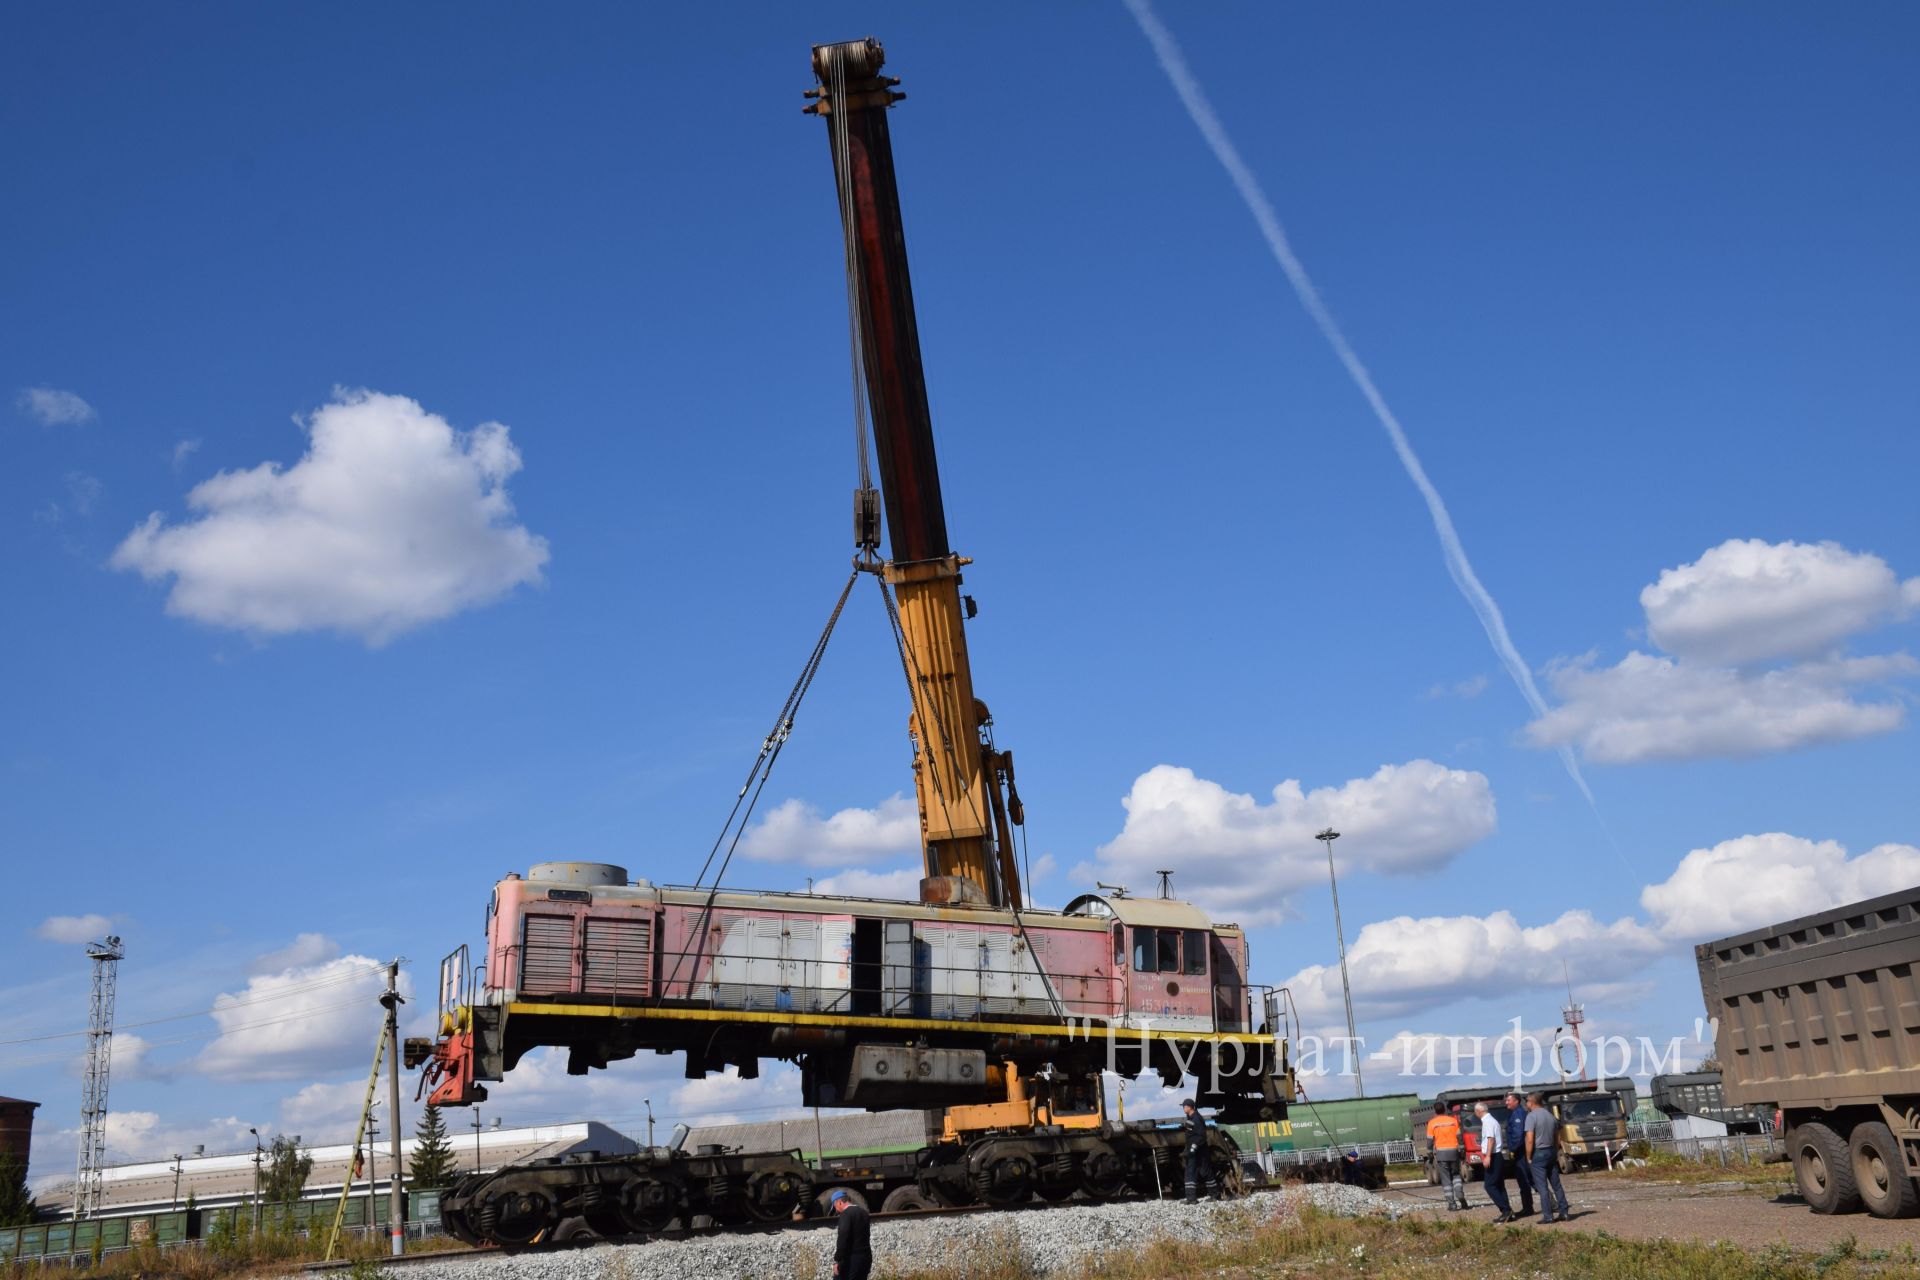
[1227,1168]
[648,1204]
[513,1217]
[775,1193]
[1103,1175]
[1006,1181]
[454,1223]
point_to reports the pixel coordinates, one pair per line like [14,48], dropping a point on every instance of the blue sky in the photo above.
[1639,284]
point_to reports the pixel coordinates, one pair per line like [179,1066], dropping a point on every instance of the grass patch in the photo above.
[1306,1243]
[1663,1166]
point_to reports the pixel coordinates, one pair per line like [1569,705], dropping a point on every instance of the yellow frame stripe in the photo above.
[525,1008]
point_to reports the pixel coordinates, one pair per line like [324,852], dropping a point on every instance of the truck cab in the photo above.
[1593,1127]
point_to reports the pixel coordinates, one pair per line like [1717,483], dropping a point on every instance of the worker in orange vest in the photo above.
[1443,1136]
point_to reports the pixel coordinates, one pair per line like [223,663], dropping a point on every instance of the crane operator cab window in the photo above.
[1168,950]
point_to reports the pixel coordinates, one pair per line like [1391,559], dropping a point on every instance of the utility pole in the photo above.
[396,1203]
[476,1139]
[258,1151]
[648,1103]
[105,955]
[1327,837]
[176,1181]
[373,1180]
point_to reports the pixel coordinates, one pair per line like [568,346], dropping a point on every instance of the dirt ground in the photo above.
[1703,1212]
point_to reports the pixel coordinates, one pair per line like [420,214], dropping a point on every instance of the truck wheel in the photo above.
[905,1200]
[1823,1167]
[1880,1172]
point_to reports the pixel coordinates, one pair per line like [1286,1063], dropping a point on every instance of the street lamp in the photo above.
[1327,838]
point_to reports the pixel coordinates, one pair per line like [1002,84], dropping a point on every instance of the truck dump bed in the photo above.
[1822,1011]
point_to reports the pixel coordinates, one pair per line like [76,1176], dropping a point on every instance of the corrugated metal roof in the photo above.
[229,1179]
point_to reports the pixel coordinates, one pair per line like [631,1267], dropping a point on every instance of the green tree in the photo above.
[286,1172]
[432,1163]
[16,1206]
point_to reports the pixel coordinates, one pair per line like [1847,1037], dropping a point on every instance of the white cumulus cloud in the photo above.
[1753,635]
[796,832]
[297,1022]
[1648,707]
[1751,881]
[306,950]
[1748,600]
[1404,964]
[391,520]
[52,407]
[902,882]
[1239,857]
[74,929]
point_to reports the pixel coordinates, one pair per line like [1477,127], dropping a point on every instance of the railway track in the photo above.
[820,1223]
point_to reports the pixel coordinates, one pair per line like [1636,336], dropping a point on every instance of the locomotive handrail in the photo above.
[636,981]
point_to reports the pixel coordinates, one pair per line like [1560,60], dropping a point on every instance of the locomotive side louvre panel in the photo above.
[547,955]
[830,983]
[619,956]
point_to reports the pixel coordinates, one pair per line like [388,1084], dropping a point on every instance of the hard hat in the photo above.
[837,1196]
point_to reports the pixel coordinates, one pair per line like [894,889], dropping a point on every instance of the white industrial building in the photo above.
[219,1180]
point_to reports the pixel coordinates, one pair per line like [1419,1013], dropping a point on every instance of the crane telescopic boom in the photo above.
[965,814]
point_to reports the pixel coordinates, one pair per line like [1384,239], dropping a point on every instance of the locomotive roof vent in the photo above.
[601,873]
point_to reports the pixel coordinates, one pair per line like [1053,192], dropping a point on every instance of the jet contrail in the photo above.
[1175,65]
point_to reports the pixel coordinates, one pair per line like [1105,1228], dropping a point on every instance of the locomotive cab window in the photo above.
[1119,945]
[1169,950]
[1145,957]
[1196,953]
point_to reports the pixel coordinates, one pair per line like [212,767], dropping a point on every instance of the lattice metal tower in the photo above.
[105,955]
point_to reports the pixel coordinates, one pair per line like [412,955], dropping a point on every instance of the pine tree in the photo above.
[432,1162]
[287,1170]
[16,1206]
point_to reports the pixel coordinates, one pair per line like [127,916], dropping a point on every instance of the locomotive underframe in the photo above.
[845,1062]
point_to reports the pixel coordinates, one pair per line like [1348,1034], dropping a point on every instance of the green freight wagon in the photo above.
[1343,1123]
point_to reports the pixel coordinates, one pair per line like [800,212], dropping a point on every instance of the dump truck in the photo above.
[1819,1017]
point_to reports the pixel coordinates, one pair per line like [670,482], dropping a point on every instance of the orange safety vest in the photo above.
[1443,1133]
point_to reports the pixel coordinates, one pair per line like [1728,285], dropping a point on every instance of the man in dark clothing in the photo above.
[852,1250]
[1199,1167]
[1351,1171]
[1514,1158]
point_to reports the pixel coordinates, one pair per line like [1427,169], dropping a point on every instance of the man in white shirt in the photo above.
[1492,1144]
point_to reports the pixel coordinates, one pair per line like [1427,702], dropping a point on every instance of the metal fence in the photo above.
[1273,1162]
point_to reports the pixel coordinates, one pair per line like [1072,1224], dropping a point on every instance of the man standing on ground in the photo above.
[1543,1155]
[1515,1149]
[852,1247]
[1493,1154]
[1443,1136]
[1199,1166]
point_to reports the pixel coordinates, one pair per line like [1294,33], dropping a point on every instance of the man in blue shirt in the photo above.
[1513,1155]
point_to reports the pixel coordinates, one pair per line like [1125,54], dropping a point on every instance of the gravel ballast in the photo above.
[1050,1240]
